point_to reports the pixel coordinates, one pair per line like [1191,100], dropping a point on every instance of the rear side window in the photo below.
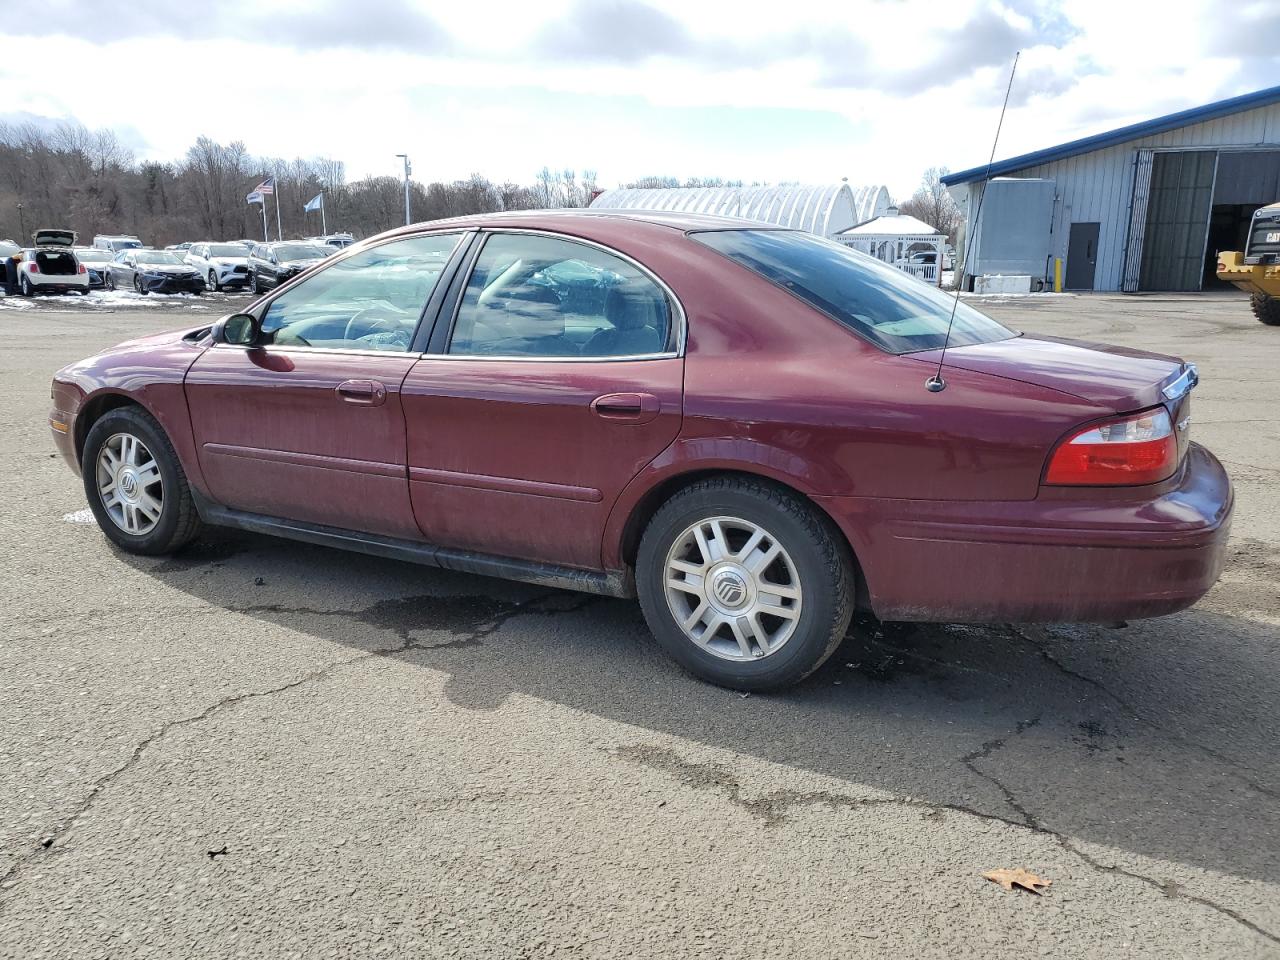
[538,296]
[891,309]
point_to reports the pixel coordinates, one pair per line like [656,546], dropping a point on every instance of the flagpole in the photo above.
[263,204]
[279,231]
[324,227]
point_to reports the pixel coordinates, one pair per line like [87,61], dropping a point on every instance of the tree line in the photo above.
[71,177]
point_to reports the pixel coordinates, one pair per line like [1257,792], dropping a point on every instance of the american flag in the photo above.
[266,186]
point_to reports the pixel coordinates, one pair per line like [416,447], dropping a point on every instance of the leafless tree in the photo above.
[933,204]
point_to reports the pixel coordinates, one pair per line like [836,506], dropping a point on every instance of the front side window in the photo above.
[880,303]
[370,301]
[536,296]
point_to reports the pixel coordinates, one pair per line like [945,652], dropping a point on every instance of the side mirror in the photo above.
[241,330]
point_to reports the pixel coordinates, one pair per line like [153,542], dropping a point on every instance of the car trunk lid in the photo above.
[1115,378]
[53,238]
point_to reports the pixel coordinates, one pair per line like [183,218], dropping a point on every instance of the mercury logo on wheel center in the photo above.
[730,589]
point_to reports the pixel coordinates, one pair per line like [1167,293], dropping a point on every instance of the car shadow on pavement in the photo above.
[1158,738]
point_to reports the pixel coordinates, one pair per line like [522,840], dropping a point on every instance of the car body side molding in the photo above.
[618,583]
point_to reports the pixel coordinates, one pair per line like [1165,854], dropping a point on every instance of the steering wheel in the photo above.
[375,324]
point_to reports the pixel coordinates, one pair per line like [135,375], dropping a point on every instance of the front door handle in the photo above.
[627,407]
[364,393]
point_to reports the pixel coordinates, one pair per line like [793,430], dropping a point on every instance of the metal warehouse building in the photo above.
[1144,207]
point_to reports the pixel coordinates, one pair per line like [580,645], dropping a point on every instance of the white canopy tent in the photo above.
[893,238]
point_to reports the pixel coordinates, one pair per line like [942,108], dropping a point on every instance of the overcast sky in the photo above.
[871,90]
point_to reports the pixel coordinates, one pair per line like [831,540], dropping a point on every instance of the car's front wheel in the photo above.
[110,282]
[135,484]
[744,583]
[137,285]
[213,282]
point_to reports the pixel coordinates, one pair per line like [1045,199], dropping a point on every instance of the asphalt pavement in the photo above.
[262,749]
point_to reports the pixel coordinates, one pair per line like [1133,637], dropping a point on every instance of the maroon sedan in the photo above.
[728,419]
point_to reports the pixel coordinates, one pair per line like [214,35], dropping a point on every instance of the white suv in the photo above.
[51,265]
[220,264]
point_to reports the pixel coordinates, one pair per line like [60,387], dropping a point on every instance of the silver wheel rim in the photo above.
[129,484]
[732,588]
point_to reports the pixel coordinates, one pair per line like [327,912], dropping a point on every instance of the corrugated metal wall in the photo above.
[1099,185]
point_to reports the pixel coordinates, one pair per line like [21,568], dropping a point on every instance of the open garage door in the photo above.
[1177,220]
[1246,180]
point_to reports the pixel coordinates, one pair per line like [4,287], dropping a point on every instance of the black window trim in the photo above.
[677,335]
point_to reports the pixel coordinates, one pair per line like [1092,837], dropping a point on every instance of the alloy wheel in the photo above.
[213,281]
[732,588]
[129,484]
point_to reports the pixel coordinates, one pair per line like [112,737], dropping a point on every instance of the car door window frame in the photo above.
[438,347]
[426,318]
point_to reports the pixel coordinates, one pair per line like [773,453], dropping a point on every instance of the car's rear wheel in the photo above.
[1266,309]
[135,484]
[744,583]
[25,288]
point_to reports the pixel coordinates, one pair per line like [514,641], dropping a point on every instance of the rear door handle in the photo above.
[627,407]
[365,393]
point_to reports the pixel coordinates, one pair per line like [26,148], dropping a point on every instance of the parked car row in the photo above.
[118,262]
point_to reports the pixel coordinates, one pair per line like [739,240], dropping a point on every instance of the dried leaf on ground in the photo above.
[1018,878]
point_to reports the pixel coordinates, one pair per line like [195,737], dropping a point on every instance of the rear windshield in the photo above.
[880,303]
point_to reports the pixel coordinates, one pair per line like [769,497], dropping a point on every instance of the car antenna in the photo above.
[936,384]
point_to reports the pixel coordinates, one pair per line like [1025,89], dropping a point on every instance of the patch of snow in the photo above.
[80,516]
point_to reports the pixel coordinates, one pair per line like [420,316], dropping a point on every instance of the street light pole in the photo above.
[22,226]
[408,217]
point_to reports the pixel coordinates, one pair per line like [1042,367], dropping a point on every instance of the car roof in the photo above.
[573,218]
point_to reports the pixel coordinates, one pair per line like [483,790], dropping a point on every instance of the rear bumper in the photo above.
[1252,278]
[1050,559]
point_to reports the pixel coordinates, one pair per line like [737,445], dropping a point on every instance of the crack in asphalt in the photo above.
[773,808]
[1232,766]
[970,760]
[1169,888]
[488,616]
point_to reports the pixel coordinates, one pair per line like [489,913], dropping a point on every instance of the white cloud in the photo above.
[876,91]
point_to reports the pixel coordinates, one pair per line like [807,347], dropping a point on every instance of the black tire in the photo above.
[179,522]
[213,282]
[822,561]
[1266,309]
[110,282]
[138,287]
[255,283]
[25,288]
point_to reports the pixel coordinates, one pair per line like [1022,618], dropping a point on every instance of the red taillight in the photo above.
[81,269]
[34,268]
[1130,450]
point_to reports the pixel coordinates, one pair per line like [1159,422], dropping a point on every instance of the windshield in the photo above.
[227,250]
[126,244]
[157,256]
[299,251]
[880,303]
